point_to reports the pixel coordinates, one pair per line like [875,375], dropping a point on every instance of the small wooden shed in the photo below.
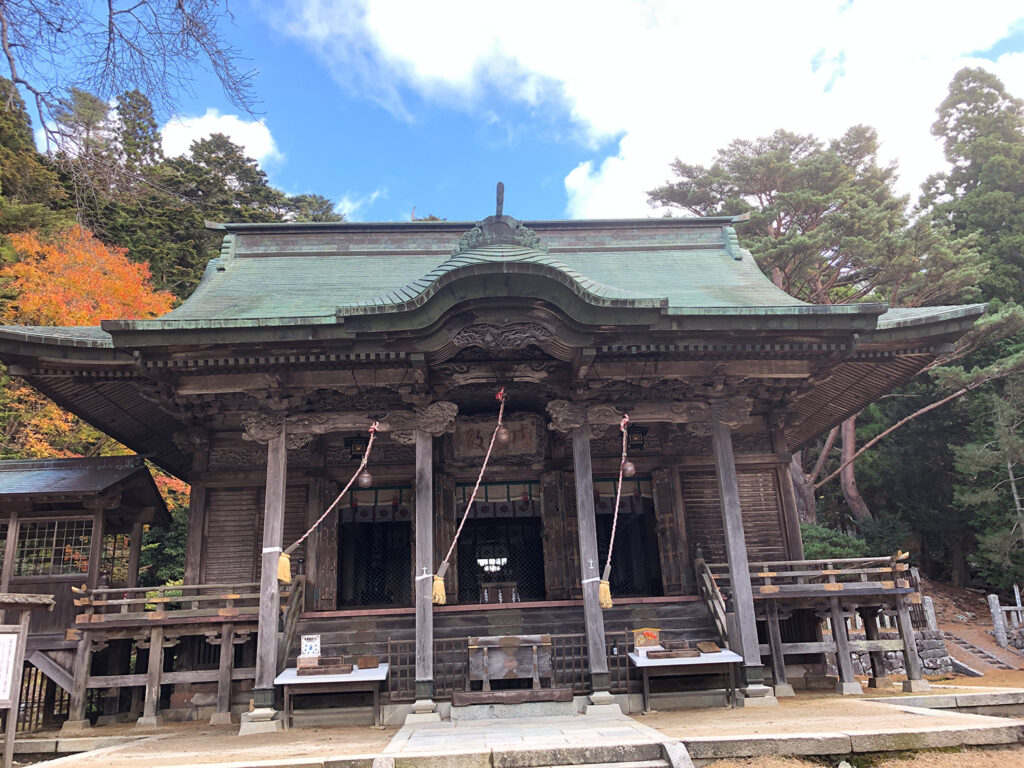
[68,522]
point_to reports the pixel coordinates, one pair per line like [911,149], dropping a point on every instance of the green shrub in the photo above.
[821,543]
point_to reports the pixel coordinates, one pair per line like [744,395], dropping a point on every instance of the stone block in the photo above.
[610,753]
[784,690]
[995,698]
[849,689]
[675,754]
[916,686]
[89,743]
[360,761]
[151,721]
[757,701]
[220,718]
[75,725]
[34,746]
[422,717]
[933,738]
[723,747]
[880,683]
[531,709]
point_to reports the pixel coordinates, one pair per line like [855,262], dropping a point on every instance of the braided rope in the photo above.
[362,465]
[623,425]
[500,396]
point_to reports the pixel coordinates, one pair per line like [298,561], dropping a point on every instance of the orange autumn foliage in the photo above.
[69,279]
[74,279]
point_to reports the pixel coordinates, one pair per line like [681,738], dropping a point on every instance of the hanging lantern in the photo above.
[636,437]
[365,479]
[356,447]
[502,436]
[628,468]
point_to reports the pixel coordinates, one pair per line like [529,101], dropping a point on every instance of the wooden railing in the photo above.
[776,579]
[708,584]
[203,602]
[296,596]
[154,621]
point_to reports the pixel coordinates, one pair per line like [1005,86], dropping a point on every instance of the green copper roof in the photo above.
[287,274]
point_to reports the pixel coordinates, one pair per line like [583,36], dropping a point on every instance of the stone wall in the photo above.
[931,648]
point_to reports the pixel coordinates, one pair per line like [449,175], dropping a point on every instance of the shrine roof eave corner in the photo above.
[42,480]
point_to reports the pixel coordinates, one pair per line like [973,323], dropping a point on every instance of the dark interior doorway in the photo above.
[375,549]
[501,549]
[636,559]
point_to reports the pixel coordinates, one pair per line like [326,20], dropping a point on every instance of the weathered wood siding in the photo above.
[675,560]
[235,529]
[760,502]
[231,534]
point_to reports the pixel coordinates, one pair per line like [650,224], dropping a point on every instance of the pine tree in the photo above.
[136,134]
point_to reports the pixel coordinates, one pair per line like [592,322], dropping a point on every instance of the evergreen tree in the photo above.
[31,196]
[136,134]
[827,226]
[311,207]
[982,193]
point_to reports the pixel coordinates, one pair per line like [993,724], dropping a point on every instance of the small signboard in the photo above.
[310,645]
[8,663]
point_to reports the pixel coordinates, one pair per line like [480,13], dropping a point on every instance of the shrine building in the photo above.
[259,391]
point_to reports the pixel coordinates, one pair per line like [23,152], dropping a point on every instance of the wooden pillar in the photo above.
[879,679]
[134,553]
[782,686]
[95,549]
[590,568]
[270,591]
[736,553]
[424,565]
[10,552]
[227,656]
[155,668]
[80,680]
[914,682]
[199,442]
[847,684]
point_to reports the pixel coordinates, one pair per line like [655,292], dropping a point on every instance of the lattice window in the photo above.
[53,547]
[114,558]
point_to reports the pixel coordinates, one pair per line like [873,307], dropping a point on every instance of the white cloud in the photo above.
[351,205]
[669,78]
[252,135]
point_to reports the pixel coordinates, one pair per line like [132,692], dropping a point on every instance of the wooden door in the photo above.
[445,523]
[556,587]
[571,542]
[322,567]
[675,561]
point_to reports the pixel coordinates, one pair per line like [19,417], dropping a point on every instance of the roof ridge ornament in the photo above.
[499,230]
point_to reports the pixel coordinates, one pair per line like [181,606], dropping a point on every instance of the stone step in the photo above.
[988,658]
[646,754]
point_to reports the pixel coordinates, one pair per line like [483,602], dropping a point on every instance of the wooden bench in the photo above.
[510,657]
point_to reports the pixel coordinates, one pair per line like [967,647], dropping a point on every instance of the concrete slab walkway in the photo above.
[521,733]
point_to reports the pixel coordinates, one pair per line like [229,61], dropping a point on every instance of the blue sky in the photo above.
[578,107]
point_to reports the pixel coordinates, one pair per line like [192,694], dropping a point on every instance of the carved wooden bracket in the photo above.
[262,427]
[436,418]
[732,411]
[192,440]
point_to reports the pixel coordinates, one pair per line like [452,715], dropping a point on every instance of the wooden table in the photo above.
[356,680]
[723,662]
